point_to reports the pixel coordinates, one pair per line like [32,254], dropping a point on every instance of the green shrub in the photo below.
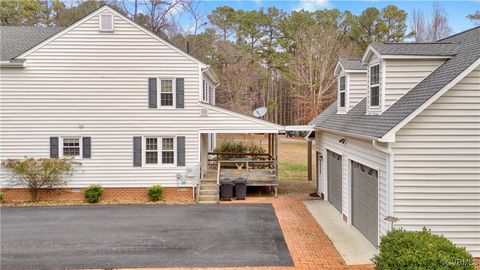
[155,193]
[237,147]
[1,197]
[93,193]
[400,249]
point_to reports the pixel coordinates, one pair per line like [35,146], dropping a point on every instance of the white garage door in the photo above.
[365,201]
[334,179]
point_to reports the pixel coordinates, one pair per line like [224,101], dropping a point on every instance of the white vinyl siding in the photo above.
[437,167]
[362,152]
[357,83]
[87,83]
[402,75]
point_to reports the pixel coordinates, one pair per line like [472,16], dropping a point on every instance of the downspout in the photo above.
[388,150]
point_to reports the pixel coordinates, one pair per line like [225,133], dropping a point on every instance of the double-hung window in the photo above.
[166,92]
[160,150]
[151,150]
[341,89]
[204,91]
[71,146]
[374,86]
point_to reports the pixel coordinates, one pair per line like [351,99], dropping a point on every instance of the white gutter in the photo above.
[13,63]
[348,134]
[390,167]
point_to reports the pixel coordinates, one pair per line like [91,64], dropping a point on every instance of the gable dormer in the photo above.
[351,83]
[395,68]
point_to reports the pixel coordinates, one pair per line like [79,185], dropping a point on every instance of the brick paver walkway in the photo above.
[310,248]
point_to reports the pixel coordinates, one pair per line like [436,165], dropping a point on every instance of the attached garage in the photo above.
[334,179]
[365,201]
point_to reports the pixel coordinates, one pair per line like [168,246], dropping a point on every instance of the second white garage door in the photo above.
[365,201]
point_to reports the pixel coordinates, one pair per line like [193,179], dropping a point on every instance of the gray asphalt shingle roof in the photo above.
[352,64]
[440,49]
[355,121]
[16,40]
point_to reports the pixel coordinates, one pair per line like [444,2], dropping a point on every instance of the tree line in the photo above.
[265,57]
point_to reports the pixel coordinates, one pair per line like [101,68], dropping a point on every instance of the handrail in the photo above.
[218,174]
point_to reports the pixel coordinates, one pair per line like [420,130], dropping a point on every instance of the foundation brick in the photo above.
[119,195]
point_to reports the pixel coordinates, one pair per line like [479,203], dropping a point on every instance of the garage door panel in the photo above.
[365,201]
[334,179]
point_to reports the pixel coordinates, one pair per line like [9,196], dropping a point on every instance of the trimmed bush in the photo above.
[38,173]
[237,147]
[93,193]
[155,193]
[400,249]
[1,197]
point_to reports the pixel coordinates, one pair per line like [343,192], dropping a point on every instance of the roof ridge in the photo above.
[463,32]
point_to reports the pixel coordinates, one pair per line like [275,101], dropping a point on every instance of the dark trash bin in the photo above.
[241,188]
[226,189]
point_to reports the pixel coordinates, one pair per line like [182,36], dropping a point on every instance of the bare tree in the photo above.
[419,26]
[159,14]
[317,51]
[438,27]
[475,17]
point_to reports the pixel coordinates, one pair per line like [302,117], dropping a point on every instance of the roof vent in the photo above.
[106,23]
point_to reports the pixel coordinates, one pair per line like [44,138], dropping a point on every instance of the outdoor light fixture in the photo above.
[342,141]
[392,220]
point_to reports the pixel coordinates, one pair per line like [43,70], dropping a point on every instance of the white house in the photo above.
[403,139]
[132,109]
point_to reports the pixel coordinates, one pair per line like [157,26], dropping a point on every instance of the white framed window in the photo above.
[106,22]
[342,95]
[204,91]
[166,91]
[160,150]
[151,150]
[71,147]
[168,150]
[210,94]
[374,86]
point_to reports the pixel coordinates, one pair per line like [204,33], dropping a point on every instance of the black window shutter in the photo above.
[87,147]
[137,151]
[181,151]
[180,92]
[53,147]
[152,92]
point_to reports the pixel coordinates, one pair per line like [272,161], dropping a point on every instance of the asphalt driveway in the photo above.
[111,236]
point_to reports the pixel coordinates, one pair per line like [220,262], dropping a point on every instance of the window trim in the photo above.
[204,91]
[343,110]
[159,93]
[159,151]
[80,145]
[344,91]
[378,106]
[100,20]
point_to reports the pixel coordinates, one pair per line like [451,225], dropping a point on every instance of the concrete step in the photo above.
[208,192]
[209,181]
[208,197]
[209,184]
[207,202]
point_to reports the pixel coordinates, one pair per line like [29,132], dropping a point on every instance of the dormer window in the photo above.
[106,23]
[342,91]
[374,86]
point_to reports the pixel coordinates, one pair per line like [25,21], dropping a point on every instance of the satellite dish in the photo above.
[260,112]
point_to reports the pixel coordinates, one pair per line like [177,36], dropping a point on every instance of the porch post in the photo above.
[275,138]
[309,158]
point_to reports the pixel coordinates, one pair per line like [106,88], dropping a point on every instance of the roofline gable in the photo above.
[245,117]
[96,12]
[390,135]
[339,66]
[368,53]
